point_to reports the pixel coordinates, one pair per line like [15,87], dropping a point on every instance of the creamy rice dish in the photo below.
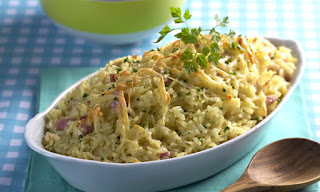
[150,108]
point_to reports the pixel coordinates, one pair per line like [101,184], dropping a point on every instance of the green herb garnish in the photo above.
[102,158]
[278,100]
[126,60]
[118,70]
[174,50]
[134,70]
[226,128]
[112,86]
[210,53]
[223,89]
[232,86]
[180,94]
[80,137]
[85,95]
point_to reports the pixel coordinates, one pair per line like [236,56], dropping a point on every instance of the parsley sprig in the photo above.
[209,53]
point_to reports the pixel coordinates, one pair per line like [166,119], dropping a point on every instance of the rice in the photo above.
[149,108]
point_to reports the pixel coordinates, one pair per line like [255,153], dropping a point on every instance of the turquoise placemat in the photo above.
[290,121]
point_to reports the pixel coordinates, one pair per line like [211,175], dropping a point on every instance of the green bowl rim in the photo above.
[89,15]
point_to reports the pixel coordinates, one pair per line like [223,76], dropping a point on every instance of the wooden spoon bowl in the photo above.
[284,165]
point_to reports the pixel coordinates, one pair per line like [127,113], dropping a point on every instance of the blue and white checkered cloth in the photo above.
[29,41]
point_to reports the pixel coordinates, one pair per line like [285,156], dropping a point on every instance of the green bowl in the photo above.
[110,21]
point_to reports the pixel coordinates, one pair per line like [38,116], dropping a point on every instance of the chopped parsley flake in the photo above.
[174,50]
[223,89]
[221,108]
[198,96]
[198,89]
[272,58]
[158,49]
[226,128]
[180,94]
[102,158]
[112,86]
[233,73]
[232,86]
[115,98]
[143,110]
[188,93]
[118,70]
[205,126]
[278,100]
[138,99]
[227,62]
[80,137]
[126,60]
[85,95]
[134,70]
[136,61]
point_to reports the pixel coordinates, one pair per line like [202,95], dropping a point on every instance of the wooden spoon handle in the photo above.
[246,184]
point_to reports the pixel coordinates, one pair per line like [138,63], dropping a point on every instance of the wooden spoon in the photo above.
[284,165]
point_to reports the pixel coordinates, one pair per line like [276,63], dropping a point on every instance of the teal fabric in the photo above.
[291,121]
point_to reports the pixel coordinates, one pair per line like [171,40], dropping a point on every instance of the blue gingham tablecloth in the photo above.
[29,41]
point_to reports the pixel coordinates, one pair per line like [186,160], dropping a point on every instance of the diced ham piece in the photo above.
[164,155]
[167,81]
[113,77]
[62,123]
[160,71]
[196,45]
[86,129]
[84,117]
[287,77]
[70,108]
[114,104]
[270,99]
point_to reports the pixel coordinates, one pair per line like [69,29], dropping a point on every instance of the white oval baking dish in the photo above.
[88,175]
